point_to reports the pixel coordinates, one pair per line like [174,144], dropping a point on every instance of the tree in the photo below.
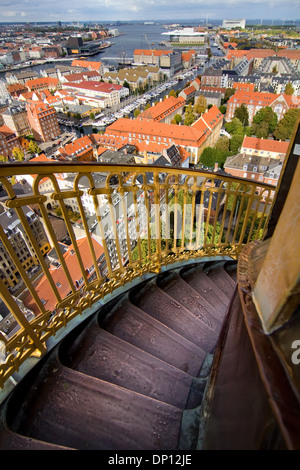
[222,108]
[177,119]
[92,116]
[264,115]
[126,84]
[228,93]
[234,127]
[33,147]
[289,90]
[173,93]
[222,143]
[287,124]
[148,105]
[235,142]
[189,117]
[137,111]
[242,114]
[200,105]
[18,154]
[210,156]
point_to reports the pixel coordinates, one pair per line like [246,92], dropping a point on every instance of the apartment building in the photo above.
[165,110]
[105,94]
[8,141]
[169,61]
[43,83]
[270,149]
[255,168]
[15,117]
[88,64]
[43,121]
[21,244]
[192,138]
[81,149]
[43,288]
[254,101]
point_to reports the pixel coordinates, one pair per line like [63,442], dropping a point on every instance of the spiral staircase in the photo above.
[131,377]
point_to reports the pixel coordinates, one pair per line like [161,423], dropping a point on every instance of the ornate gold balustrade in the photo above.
[143,218]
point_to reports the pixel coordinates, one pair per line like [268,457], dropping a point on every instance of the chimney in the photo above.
[216,167]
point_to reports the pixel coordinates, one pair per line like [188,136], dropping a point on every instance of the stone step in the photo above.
[153,300]
[131,324]
[71,409]
[100,354]
[221,278]
[179,290]
[205,286]
[10,440]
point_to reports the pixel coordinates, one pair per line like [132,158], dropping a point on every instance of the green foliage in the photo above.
[242,114]
[235,142]
[222,143]
[228,93]
[177,119]
[200,105]
[287,124]
[189,117]
[33,147]
[289,90]
[137,112]
[264,115]
[210,156]
[18,154]
[222,108]
[234,126]
[173,93]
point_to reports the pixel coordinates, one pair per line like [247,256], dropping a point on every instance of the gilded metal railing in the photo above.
[119,222]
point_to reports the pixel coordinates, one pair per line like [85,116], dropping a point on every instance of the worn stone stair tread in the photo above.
[181,291]
[140,329]
[153,300]
[100,354]
[10,440]
[205,286]
[75,410]
[221,278]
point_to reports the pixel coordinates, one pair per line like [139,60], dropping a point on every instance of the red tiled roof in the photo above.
[243,86]
[95,86]
[167,106]
[6,131]
[149,52]
[86,63]
[189,90]
[265,144]
[263,99]
[43,81]
[81,145]
[43,288]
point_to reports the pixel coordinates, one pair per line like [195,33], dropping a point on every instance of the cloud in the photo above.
[89,10]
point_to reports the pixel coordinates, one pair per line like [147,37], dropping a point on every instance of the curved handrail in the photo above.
[132,220]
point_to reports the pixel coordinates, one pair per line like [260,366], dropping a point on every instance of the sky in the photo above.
[120,10]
